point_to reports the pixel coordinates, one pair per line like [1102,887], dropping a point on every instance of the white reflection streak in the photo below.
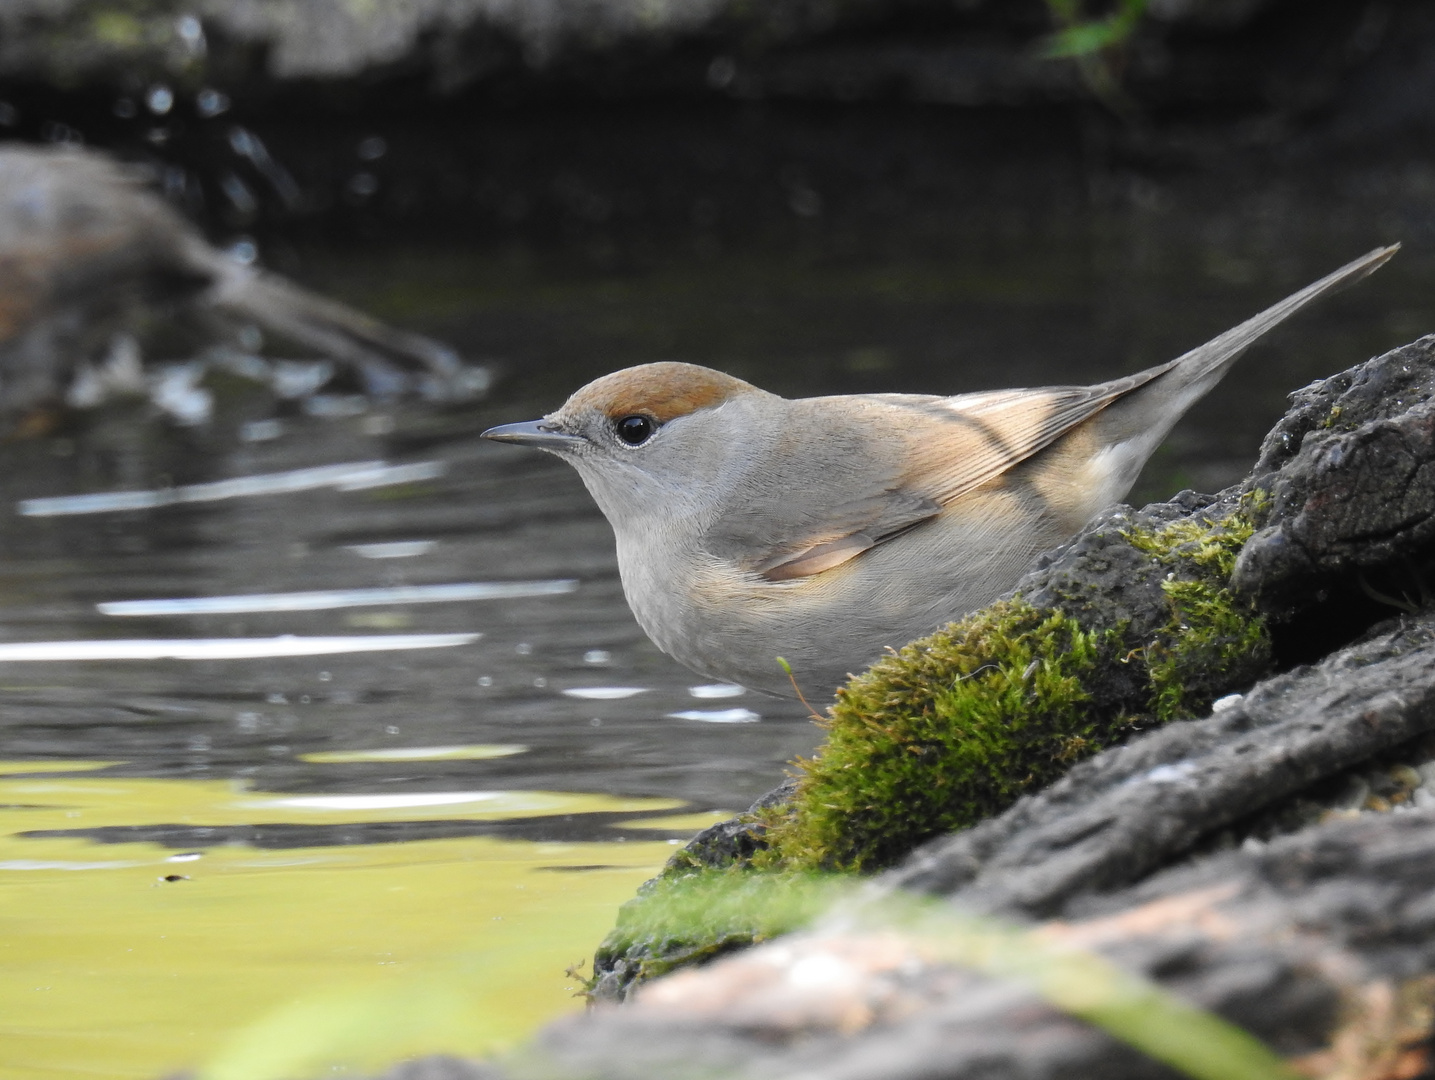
[52,864]
[385,802]
[718,716]
[604,693]
[716,690]
[328,599]
[226,648]
[350,476]
[393,549]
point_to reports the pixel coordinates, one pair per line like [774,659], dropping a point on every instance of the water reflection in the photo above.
[354,476]
[225,648]
[132,959]
[394,549]
[328,599]
[718,716]
[413,753]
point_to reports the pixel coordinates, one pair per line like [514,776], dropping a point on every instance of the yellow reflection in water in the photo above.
[8,767]
[113,971]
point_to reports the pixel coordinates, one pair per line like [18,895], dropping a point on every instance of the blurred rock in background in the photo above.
[90,261]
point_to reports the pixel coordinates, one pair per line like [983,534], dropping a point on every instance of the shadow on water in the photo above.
[410,635]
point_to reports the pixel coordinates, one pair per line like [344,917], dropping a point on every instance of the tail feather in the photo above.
[1147,405]
[1210,361]
[1158,397]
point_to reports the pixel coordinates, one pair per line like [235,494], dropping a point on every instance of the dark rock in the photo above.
[87,253]
[1319,944]
[620,961]
[1351,475]
[459,40]
[732,842]
[1131,810]
[1183,54]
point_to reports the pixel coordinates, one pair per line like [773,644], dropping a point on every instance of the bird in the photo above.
[87,251]
[824,530]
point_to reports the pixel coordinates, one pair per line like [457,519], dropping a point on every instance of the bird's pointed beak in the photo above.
[537,433]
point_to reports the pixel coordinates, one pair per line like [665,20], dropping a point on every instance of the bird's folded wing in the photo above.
[780,539]
[949,446]
[967,441]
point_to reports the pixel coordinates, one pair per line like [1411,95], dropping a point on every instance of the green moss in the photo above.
[684,919]
[947,731]
[1214,639]
[955,727]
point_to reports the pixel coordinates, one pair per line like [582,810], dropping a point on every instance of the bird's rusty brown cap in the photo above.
[664,391]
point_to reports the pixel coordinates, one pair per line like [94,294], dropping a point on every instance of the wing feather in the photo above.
[935,450]
[986,434]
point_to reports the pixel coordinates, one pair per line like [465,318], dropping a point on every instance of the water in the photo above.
[293,704]
[339,705]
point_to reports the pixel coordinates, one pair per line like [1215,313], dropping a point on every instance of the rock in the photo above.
[1122,815]
[1242,933]
[1351,475]
[56,40]
[1319,944]
[635,951]
[732,842]
[89,257]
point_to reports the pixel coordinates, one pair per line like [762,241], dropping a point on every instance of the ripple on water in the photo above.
[330,599]
[225,648]
[350,476]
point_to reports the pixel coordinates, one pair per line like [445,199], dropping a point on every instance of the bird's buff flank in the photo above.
[823,530]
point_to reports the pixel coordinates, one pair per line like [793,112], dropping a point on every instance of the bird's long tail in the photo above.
[1204,365]
[389,360]
[1151,402]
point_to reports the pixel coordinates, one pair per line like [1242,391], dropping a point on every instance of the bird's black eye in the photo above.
[634,430]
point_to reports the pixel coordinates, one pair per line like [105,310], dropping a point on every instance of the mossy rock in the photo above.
[1130,625]
[694,916]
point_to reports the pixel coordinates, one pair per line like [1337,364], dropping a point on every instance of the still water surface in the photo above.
[354,703]
[293,704]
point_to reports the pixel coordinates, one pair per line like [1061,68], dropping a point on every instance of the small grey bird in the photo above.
[822,530]
[86,250]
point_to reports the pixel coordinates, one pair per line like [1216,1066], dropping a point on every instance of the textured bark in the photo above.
[1320,943]
[1352,482]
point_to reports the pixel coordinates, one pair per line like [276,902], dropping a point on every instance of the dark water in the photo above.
[479,513]
[1076,286]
